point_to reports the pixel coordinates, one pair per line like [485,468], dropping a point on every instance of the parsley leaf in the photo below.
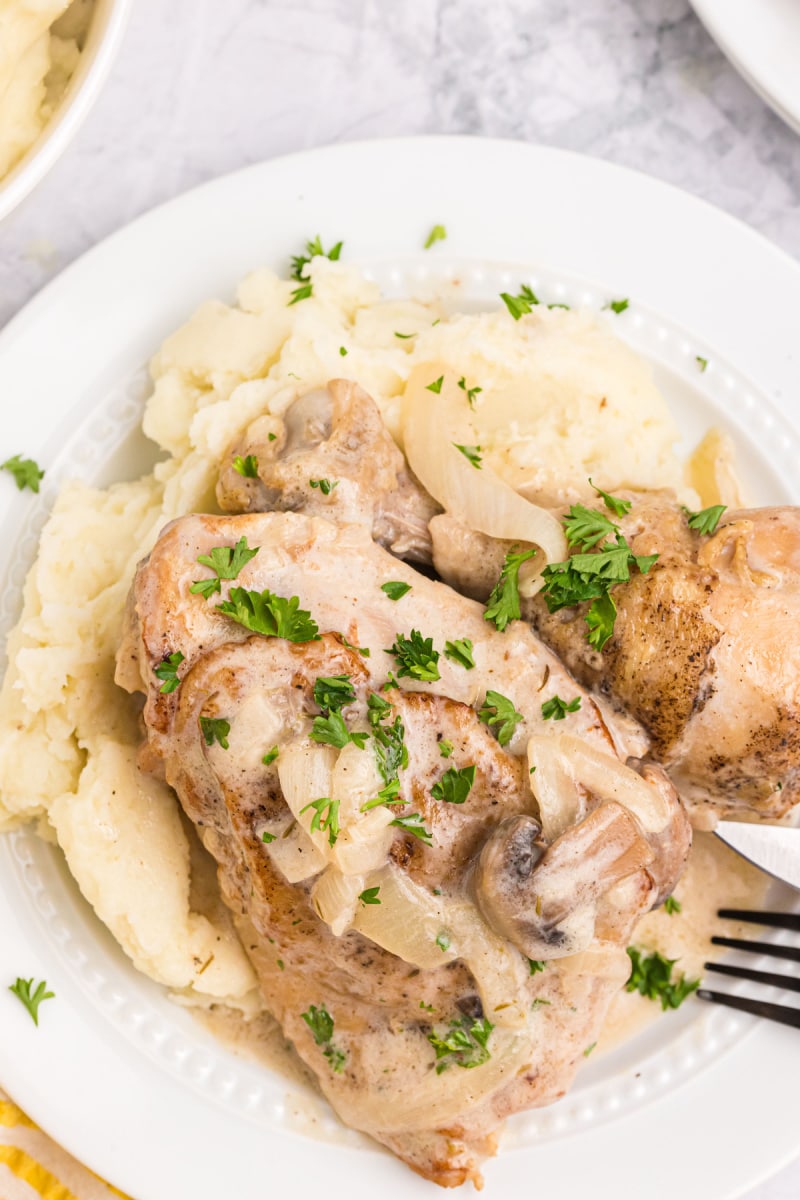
[701,362]
[27,473]
[471,453]
[618,306]
[414,824]
[415,656]
[600,618]
[270,756]
[391,753]
[303,292]
[613,503]
[672,906]
[521,304]
[326,486]
[436,386]
[227,562]
[707,520]
[369,895]
[443,941]
[31,999]
[377,708]
[343,351]
[446,748]
[558,708]
[404,336]
[471,392]
[503,603]
[320,1022]
[464,1044]
[273,616]
[589,1050]
[536,965]
[460,651]
[437,234]
[455,785]
[168,671]
[267,837]
[395,589]
[215,729]
[387,795]
[651,976]
[498,710]
[332,731]
[248,466]
[585,527]
[333,692]
[325,818]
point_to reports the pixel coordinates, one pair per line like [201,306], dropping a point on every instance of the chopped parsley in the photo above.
[446,748]
[332,731]
[470,392]
[707,520]
[503,605]
[651,976]
[672,906]
[247,466]
[391,682]
[326,486]
[391,752]
[585,527]
[343,351]
[443,941]
[395,589]
[600,619]
[387,795]
[437,234]
[498,710]
[415,657]
[377,708]
[314,249]
[415,825]
[614,504]
[31,999]
[333,692]
[558,708]
[536,965]
[27,473]
[270,756]
[618,306]
[369,896]
[215,729]
[701,362]
[455,785]
[226,562]
[325,818]
[404,336]
[362,650]
[464,1044]
[168,671]
[471,453]
[589,1050]
[320,1022]
[270,615]
[267,837]
[460,651]
[520,304]
[436,386]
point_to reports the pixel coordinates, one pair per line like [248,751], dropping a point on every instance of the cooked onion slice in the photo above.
[305,774]
[567,762]
[295,855]
[364,837]
[432,424]
[335,897]
[428,931]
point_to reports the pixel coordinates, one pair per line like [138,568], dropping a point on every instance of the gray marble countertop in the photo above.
[202,87]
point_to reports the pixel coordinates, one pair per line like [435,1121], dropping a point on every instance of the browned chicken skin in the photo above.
[389,985]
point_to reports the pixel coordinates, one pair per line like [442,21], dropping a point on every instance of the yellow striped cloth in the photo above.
[32,1167]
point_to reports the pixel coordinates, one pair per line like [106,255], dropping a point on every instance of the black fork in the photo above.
[783,1013]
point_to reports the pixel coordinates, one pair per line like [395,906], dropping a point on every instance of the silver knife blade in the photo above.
[773,848]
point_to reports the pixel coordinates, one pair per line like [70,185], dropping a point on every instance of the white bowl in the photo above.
[102,42]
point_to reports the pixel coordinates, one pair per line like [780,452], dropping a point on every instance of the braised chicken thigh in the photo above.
[436,884]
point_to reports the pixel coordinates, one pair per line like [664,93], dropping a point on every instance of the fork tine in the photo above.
[759,1008]
[792,953]
[776,920]
[790,982]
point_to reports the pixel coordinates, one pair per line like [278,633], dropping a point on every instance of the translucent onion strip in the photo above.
[432,423]
[305,774]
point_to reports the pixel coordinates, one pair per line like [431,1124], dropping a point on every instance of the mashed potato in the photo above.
[561,399]
[36,63]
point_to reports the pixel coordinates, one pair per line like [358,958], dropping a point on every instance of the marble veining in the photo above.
[203,87]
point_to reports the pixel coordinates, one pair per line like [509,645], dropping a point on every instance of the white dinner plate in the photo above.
[704,1103]
[762,40]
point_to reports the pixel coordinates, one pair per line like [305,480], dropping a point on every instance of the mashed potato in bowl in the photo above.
[40,45]
[555,398]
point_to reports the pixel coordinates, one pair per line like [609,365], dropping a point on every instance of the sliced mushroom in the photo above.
[332,456]
[543,900]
